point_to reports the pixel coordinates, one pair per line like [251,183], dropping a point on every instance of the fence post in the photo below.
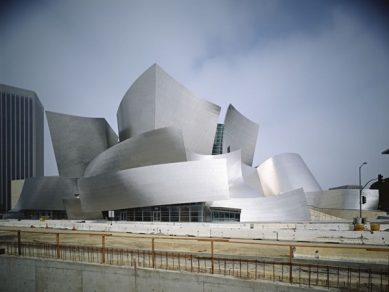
[213,267]
[152,252]
[19,244]
[290,263]
[103,248]
[58,250]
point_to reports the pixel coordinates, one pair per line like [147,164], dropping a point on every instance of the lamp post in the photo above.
[360,191]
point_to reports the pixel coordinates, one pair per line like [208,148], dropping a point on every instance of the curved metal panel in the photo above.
[240,133]
[250,176]
[182,182]
[284,173]
[74,211]
[289,206]
[77,141]
[159,146]
[46,193]
[347,199]
[156,100]
[239,188]
[136,112]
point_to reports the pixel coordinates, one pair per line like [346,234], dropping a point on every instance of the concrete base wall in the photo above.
[26,274]
[330,231]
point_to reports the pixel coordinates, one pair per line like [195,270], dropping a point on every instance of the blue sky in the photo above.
[313,74]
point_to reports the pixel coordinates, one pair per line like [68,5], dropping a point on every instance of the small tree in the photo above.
[383,190]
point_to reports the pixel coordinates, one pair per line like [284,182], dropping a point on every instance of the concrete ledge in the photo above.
[331,232]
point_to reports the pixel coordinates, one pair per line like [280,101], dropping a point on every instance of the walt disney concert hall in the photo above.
[172,162]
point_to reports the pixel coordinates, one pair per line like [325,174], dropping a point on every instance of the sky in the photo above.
[313,74]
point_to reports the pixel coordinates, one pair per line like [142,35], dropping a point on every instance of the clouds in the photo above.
[313,74]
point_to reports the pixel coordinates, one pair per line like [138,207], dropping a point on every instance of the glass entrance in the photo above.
[156,215]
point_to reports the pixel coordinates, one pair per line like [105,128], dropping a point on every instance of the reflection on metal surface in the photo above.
[156,100]
[347,199]
[77,141]
[46,193]
[167,134]
[290,206]
[240,133]
[174,183]
[237,184]
[159,146]
[74,212]
[284,173]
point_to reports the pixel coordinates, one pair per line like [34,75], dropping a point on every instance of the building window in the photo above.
[193,212]
[225,215]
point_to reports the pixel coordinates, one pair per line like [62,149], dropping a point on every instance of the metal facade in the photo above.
[164,158]
[156,100]
[238,187]
[284,173]
[46,193]
[74,211]
[347,199]
[240,133]
[174,183]
[21,144]
[77,141]
[159,146]
[290,206]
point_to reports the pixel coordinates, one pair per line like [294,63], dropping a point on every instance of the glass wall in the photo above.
[47,214]
[193,212]
[225,215]
[218,142]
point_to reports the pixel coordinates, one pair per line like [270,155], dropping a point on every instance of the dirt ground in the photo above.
[197,245]
[144,242]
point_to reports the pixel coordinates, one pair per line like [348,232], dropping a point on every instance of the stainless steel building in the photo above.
[163,168]
[21,144]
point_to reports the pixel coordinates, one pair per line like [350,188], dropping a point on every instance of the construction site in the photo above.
[245,253]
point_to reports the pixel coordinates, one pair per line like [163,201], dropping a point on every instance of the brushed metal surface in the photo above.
[167,134]
[238,185]
[156,100]
[289,206]
[284,173]
[77,141]
[46,193]
[250,176]
[174,183]
[160,146]
[343,199]
[240,133]
[74,211]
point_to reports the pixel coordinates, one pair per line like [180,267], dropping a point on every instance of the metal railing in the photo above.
[244,267]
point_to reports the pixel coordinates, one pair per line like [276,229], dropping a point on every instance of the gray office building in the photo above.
[21,146]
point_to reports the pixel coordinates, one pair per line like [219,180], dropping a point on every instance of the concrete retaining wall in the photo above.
[24,274]
[331,232]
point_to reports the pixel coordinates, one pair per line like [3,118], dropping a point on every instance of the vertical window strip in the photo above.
[2,149]
[7,151]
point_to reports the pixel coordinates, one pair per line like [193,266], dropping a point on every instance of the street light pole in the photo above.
[360,191]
